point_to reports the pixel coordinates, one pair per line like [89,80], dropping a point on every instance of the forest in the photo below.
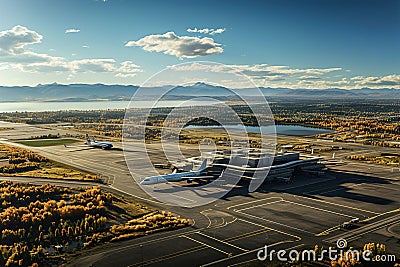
[44,225]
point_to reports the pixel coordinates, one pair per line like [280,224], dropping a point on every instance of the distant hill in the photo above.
[71,92]
[93,92]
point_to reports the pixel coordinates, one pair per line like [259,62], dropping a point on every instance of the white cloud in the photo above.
[85,46]
[383,81]
[257,70]
[206,31]
[14,41]
[287,77]
[179,46]
[309,77]
[93,65]
[72,31]
[14,55]
[127,69]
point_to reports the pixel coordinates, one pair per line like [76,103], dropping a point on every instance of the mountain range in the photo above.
[96,92]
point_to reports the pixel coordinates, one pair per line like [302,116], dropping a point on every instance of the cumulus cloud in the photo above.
[288,77]
[267,70]
[14,41]
[93,65]
[206,31]
[72,31]
[384,81]
[257,70]
[127,69]
[13,54]
[180,46]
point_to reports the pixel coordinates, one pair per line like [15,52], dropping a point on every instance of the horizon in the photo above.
[190,85]
[277,44]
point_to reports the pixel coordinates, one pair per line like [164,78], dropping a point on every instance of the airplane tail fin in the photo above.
[203,165]
[88,139]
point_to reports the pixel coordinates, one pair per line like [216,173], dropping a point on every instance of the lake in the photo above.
[105,105]
[293,130]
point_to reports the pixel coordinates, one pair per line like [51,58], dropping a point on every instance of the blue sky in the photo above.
[296,44]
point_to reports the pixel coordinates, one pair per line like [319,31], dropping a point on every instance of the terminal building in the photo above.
[284,165]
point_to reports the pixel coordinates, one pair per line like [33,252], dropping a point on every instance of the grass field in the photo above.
[47,142]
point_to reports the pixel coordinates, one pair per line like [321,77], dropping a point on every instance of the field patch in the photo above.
[47,142]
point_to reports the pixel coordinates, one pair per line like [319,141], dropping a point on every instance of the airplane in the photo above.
[103,145]
[94,144]
[177,177]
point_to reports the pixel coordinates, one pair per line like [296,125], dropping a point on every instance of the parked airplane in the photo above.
[103,145]
[177,177]
[92,143]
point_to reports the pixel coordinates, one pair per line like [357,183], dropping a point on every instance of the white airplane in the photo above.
[103,145]
[94,144]
[177,177]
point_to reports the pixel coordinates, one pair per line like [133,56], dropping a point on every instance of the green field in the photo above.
[47,142]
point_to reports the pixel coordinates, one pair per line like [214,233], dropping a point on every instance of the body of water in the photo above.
[105,105]
[294,130]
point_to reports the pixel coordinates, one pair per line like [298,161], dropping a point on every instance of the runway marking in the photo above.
[226,222]
[368,229]
[329,230]
[389,229]
[260,205]
[248,261]
[209,220]
[222,241]
[205,244]
[269,228]
[291,202]
[311,207]
[223,221]
[246,235]
[249,252]
[253,201]
[340,205]
[384,213]
[278,223]
[168,256]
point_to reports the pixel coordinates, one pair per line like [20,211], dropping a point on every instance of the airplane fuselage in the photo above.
[173,177]
[103,145]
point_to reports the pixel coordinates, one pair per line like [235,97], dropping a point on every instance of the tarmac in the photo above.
[231,230]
